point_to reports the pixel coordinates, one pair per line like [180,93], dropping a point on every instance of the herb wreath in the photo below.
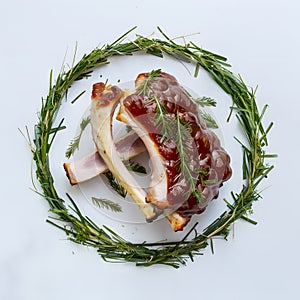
[112,247]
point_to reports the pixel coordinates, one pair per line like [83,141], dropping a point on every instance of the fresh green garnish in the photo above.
[184,143]
[205,101]
[107,204]
[74,144]
[113,182]
[209,120]
[180,133]
[143,87]
[135,167]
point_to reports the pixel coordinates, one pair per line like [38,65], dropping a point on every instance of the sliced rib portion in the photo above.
[91,165]
[104,101]
[158,185]
[196,161]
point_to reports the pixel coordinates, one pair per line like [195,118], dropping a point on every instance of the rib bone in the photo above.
[104,101]
[158,185]
[92,164]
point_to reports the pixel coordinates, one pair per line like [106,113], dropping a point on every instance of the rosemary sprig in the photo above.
[107,204]
[167,125]
[204,173]
[143,88]
[205,101]
[184,143]
[74,144]
[110,246]
[209,120]
[113,182]
[179,131]
[135,166]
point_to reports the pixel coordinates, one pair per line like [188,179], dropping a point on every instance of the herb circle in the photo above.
[109,245]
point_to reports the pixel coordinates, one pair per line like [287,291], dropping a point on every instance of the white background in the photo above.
[261,40]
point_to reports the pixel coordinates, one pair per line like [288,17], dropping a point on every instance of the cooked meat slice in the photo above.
[91,165]
[158,186]
[104,101]
[206,161]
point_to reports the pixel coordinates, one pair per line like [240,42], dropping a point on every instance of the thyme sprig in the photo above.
[110,246]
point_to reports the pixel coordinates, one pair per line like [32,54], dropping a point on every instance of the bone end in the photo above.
[70,174]
[177,222]
[105,95]
[157,202]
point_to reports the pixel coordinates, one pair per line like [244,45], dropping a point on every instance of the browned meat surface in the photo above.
[207,160]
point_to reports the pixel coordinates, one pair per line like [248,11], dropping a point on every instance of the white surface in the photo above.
[261,40]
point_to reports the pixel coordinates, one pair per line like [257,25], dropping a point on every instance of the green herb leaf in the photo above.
[135,167]
[115,184]
[107,204]
[205,101]
[183,142]
[168,126]
[143,87]
[74,144]
[209,120]
[77,97]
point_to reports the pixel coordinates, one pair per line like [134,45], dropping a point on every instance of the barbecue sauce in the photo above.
[206,153]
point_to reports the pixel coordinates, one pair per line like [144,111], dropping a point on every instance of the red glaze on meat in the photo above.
[206,153]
